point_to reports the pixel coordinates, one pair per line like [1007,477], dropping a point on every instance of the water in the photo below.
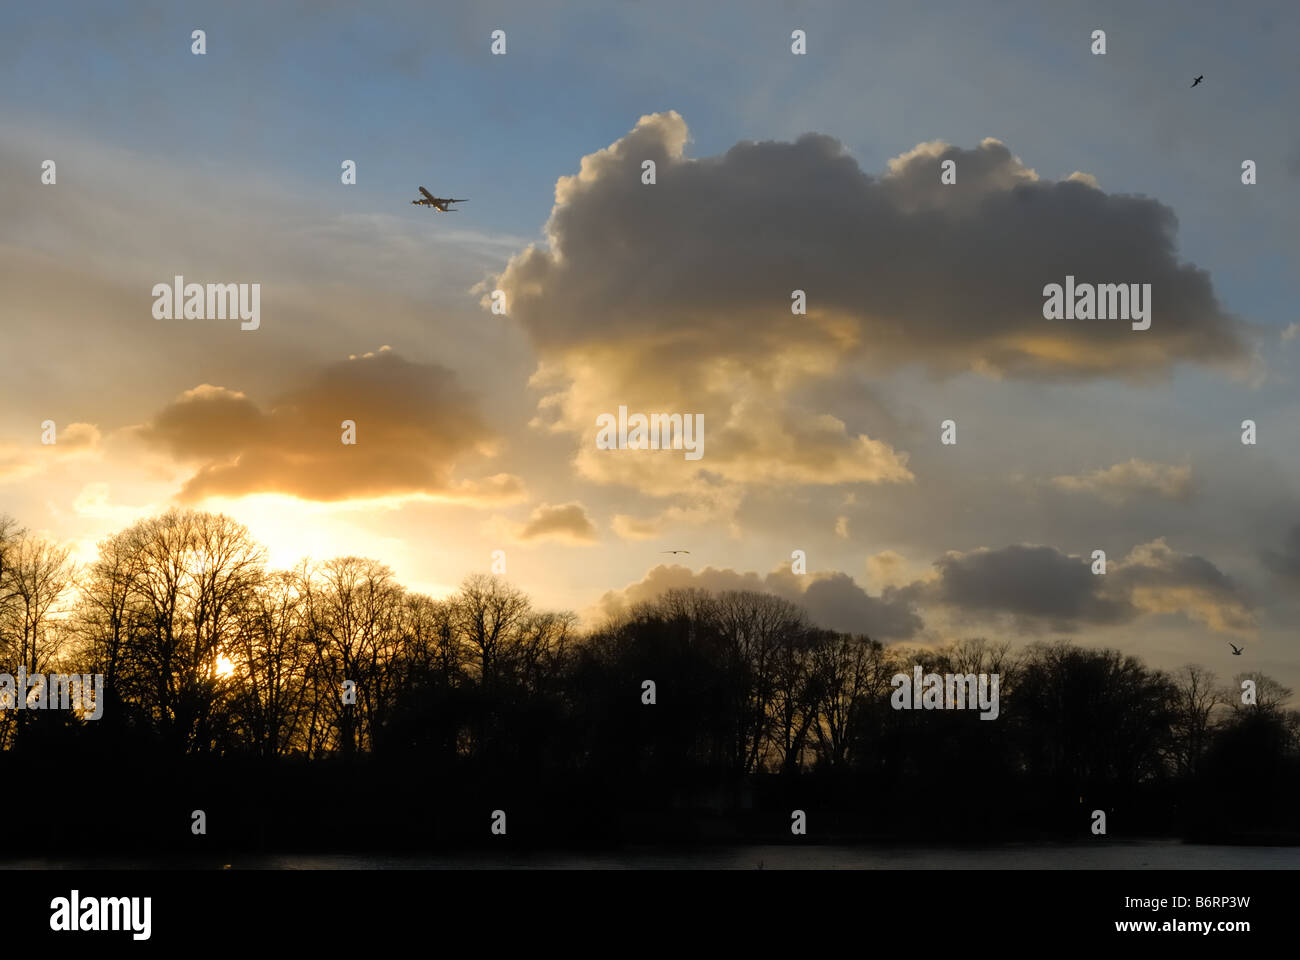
[1140,855]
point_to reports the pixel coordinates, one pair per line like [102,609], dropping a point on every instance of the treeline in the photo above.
[212,662]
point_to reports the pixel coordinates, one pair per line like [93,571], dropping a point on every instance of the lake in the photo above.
[1137,855]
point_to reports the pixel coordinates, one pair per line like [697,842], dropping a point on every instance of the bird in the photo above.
[674,551]
[1198,79]
[1236,650]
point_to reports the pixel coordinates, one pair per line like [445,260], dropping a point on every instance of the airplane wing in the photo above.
[427,194]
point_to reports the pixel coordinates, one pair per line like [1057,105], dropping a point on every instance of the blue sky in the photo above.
[410,92]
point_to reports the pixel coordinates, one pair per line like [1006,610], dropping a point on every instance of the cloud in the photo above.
[636,528]
[564,522]
[75,441]
[835,601]
[414,426]
[703,508]
[700,267]
[886,569]
[1158,579]
[1036,585]
[831,599]
[94,500]
[75,251]
[17,462]
[1123,481]
[1033,589]
[1039,588]
[1285,562]
[77,438]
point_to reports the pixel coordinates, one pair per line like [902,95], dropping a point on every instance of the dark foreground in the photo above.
[767,912]
[1098,855]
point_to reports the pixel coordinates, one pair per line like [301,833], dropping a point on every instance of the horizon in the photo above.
[65,620]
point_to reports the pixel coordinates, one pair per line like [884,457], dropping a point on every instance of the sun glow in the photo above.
[291,529]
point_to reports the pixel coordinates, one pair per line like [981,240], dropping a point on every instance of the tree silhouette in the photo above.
[209,658]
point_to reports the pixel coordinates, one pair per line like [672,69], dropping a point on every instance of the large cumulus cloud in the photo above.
[676,296]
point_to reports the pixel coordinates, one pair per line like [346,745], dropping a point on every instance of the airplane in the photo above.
[1236,650]
[1198,79]
[674,551]
[438,203]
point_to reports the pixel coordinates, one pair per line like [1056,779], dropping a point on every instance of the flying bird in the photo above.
[674,551]
[1236,650]
[1198,79]
[438,203]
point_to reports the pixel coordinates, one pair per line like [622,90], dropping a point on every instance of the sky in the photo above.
[775,172]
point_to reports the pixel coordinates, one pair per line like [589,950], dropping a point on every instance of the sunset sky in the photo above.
[775,172]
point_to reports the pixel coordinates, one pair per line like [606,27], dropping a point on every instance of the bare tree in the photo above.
[1198,697]
[273,665]
[192,578]
[11,536]
[760,634]
[539,646]
[1270,695]
[353,610]
[795,695]
[39,576]
[109,606]
[852,672]
[487,613]
[431,646]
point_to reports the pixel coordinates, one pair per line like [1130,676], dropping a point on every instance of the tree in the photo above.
[852,673]
[353,608]
[1093,716]
[11,536]
[487,613]
[273,665]
[39,574]
[192,577]
[1270,695]
[1197,698]
[763,640]
[108,611]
